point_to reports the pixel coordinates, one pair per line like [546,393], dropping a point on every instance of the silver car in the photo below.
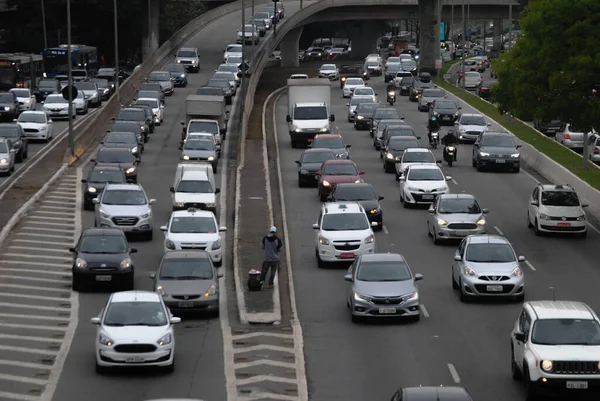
[471,126]
[382,284]
[571,137]
[428,96]
[125,207]
[472,80]
[200,150]
[454,216]
[90,92]
[165,80]
[7,156]
[486,265]
[354,102]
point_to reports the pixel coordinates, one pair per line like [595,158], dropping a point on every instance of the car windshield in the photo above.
[472,75]
[176,68]
[211,91]
[234,49]
[355,81]
[21,92]
[387,113]
[339,169]
[358,100]
[490,253]
[47,84]
[503,141]
[114,156]
[353,192]
[6,98]
[148,102]
[421,84]
[150,94]
[196,144]
[328,143]
[228,68]
[566,332]
[559,198]
[446,105]
[102,83]
[459,205]
[418,157]
[234,60]
[310,113]
[350,70]
[135,313]
[106,176]
[9,131]
[103,244]
[129,197]
[229,76]
[186,53]
[32,118]
[193,225]
[221,83]
[407,81]
[433,93]
[195,187]
[118,137]
[132,115]
[372,63]
[344,222]
[394,67]
[473,120]
[186,269]
[363,92]
[397,146]
[203,126]
[3,148]
[393,60]
[328,68]
[425,174]
[383,271]
[399,132]
[86,86]
[317,157]
[159,76]
[367,107]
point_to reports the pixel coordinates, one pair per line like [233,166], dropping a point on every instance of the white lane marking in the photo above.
[263,378]
[528,263]
[60,230]
[499,231]
[302,384]
[64,198]
[454,373]
[424,310]
[385,230]
[38,307]
[27,350]
[32,241]
[263,347]
[54,202]
[30,263]
[262,334]
[31,338]
[26,278]
[22,379]
[34,317]
[48,223]
[38,297]
[24,364]
[35,271]
[35,248]
[32,327]
[65,209]
[33,287]
[454,181]
[267,362]
[39,214]
[18,397]
[22,255]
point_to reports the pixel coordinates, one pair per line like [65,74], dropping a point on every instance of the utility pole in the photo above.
[70,82]
[149,28]
[510,24]
[243,80]
[463,54]
[117,52]
[44,25]
[452,21]
[274,18]
[252,32]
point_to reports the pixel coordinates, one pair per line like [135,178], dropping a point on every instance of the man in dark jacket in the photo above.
[271,244]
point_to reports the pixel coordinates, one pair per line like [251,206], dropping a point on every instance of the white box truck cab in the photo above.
[201,126]
[194,187]
[309,109]
[205,107]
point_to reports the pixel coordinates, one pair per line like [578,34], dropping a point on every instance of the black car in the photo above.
[496,149]
[149,114]
[405,84]
[102,256]
[110,74]
[119,157]
[548,128]
[125,140]
[105,91]
[446,111]
[314,53]
[484,90]
[309,163]
[426,393]
[347,71]
[363,114]
[362,193]
[224,85]
[382,113]
[130,126]
[391,71]
[393,130]
[415,89]
[394,148]
[98,177]
[9,106]
[20,142]
[136,115]
[46,87]
[210,91]
[147,86]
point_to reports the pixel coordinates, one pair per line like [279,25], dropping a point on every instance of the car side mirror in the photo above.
[315,226]
[460,108]
[332,118]
[163,228]
[521,258]
[377,94]
[418,277]
[72,250]
[222,229]
[348,277]
[457,258]
[520,336]
[114,118]
[220,275]
[402,179]
[348,146]
[182,123]
[361,172]
[152,275]
[133,250]
[101,142]
[94,160]
[217,191]
[162,106]
[42,102]
[485,211]
[84,181]
[347,104]
[431,210]
[175,320]
[288,119]
[534,203]
[438,161]
[95,201]
[380,198]
[448,178]
[489,124]
[518,146]
[172,190]
[95,320]
[584,205]
[151,201]
[418,137]
[298,162]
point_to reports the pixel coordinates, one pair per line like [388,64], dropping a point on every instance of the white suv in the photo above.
[188,57]
[556,209]
[194,230]
[343,232]
[555,348]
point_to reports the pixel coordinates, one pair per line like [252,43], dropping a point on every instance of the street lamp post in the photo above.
[70,80]
[243,80]
[44,25]
[464,34]
[116,51]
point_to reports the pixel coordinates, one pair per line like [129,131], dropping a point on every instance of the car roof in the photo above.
[318,150]
[561,310]
[107,167]
[96,232]
[382,257]
[185,254]
[559,188]
[34,112]
[129,109]
[414,150]
[340,161]
[139,296]
[318,136]
[487,239]
[436,393]
[456,196]
[495,133]
[146,98]
[192,212]
[423,166]
[117,187]
[343,207]
[471,115]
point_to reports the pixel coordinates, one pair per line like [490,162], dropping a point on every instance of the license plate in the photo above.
[134,359]
[494,288]
[427,196]
[577,385]
[500,161]
[564,224]
[346,255]
[387,311]
[460,233]
[103,278]
[310,140]
[445,118]
[185,304]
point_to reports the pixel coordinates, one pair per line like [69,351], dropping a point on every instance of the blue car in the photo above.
[178,74]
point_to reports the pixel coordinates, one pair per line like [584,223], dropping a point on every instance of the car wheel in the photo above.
[354,318]
[323,198]
[455,285]
[516,170]
[473,162]
[75,285]
[463,296]
[219,263]
[149,236]
[479,166]
[434,237]
[170,368]
[536,228]
[530,393]
[583,234]
[520,298]
[529,225]
[320,263]
[514,369]
[293,144]
[19,157]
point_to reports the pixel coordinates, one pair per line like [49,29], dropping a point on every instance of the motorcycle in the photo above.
[434,139]
[449,153]
[391,97]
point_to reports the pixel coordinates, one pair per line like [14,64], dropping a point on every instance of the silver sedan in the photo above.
[382,284]
[455,216]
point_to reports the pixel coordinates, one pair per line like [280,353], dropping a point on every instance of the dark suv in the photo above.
[15,133]
[9,106]
[347,71]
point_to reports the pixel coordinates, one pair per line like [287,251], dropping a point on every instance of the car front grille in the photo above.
[494,278]
[563,218]
[31,130]
[197,158]
[195,205]
[474,133]
[346,245]
[575,367]
[387,300]
[135,348]
[125,221]
[186,297]
[419,197]
[462,226]
[190,245]
[482,288]
[185,62]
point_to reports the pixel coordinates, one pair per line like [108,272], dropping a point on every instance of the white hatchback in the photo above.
[36,125]
[421,184]
[350,84]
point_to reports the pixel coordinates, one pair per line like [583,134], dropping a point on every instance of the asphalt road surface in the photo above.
[462,343]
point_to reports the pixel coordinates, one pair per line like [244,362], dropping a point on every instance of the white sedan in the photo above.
[157,109]
[25,97]
[36,125]
[350,84]
[80,103]
[329,71]
[56,106]
[421,184]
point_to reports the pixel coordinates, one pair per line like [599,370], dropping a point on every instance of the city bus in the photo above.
[82,57]
[20,70]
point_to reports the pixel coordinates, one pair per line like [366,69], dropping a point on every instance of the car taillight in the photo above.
[484,89]
[567,136]
[596,150]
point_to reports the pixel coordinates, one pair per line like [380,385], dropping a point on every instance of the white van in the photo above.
[374,65]
[195,190]
[198,166]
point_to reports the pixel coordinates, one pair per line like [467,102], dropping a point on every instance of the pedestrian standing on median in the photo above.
[271,244]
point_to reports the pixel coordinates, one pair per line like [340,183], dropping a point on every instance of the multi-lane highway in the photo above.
[466,343]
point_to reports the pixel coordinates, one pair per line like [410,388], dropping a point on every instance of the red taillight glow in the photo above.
[484,89]
[567,136]
[596,150]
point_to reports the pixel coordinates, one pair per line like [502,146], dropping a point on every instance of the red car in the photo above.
[334,172]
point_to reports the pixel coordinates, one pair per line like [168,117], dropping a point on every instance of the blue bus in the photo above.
[82,57]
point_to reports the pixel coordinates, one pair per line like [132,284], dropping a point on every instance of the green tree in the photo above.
[176,14]
[551,71]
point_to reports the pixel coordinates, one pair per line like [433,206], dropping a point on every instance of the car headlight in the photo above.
[435,113]
[324,129]
[126,263]
[361,297]
[546,365]
[3,161]
[370,239]
[390,156]
[182,76]
[323,240]
[143,127]
[170,244]
[481,222]
[160,290]
[441,189]
[212,290]
[343,79]
[326,183]
[358,181]
[442,222]
[517,272]
[376,210]
[211,205]
[412,189]
[105,91]
[147,214]
[483,154]
[360,118]
[179,204]
[105,340]
[581,218]
[515,155]
[216,245]
[544,216]
[304,172]
[80,263]
[92,190]
[95,95]
[178,61]
[165,340]
[341,155]
[27,101]
[6,108]
[470,272]
[411,296]
[211,158]
[186,157]
[130,170]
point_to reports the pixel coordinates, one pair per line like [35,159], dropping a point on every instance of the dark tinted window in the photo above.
[85,86]
[103,244]
[114,156]
[6,98]
[120,137]
[490,253]
[559,198]
[210,91]
[9,131]
[186,269]
[135,314]
[503,141]
[459,205]
[329,143]
[339,169]
[317,157]
[387,113]
[356,192]
[383,271]
[132,115]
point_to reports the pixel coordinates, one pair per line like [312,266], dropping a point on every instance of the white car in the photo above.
[196,230]
[216,140]
[26,99]
[232,68]
[232,50]
[365,91]
[343,231]
[556,209]
[135,328]
[56,106]
[391,60]
[80,103]
[158,109]
[398,78]
[420,184]
[350,84]
[555,347]
[36,125]
[329,71]
[471,126]
[412,156]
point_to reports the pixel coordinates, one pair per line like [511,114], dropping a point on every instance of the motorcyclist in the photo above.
[432,125]
[448,140]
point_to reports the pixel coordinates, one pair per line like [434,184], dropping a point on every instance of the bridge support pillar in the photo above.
[497,34]
[151,28]
[429,35]
[290,47]
[363,36]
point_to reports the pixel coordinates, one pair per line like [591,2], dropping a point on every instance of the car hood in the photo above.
[118,145]
[33,125]
[478,128]
[103,259]
[194,238]
[497,150]
[404,166]
[446,111]
[199,153]
[311,123]
[125,210]
[189,197]
[89,92]
[568,352]
[384,288]
[367,204]
[425,99]
[561,211]
[492,268]
[23,99]
[340,179]
[55,105]
[135,334]
[312,167]
[460,217]
[427,185]
[5,104]
[327,71]
[351,86]
[165,84]
[185,287]
[124,166]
